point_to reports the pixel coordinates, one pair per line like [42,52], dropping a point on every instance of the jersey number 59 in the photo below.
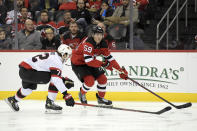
[87,48]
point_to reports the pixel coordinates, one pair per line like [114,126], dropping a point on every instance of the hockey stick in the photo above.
[177,107]
[124,109]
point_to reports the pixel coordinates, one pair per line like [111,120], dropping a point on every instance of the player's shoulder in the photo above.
[55,60]
[103,44]
[54,57]
[90,42]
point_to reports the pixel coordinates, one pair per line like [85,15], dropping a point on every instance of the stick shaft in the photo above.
[151,91]
[177,107]
[147,89]
[124,109]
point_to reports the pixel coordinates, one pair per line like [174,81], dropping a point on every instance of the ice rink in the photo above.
[31,117]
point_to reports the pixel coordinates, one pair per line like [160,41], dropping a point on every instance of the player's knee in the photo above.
[102,79]
[52,88]
[27,85]
[89,81]
[32,86]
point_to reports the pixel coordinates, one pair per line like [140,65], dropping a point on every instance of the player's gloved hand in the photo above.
[68,82]
[106,64]
[69,99]
[123,73]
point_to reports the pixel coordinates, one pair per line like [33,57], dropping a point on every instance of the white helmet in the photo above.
[64,49]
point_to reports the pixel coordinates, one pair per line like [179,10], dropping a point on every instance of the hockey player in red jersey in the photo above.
[88,68]
[42,69]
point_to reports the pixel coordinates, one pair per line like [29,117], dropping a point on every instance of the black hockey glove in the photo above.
[105,63]
[68,99]
[68,82]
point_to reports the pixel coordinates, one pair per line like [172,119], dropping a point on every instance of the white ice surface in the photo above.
[31,117]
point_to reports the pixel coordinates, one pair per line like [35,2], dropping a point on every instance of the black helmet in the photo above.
[97,29]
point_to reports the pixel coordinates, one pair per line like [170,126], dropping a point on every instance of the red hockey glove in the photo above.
[69,99]
[68,82]
[123,74]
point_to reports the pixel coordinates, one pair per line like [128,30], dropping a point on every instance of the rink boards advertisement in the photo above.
[170,74]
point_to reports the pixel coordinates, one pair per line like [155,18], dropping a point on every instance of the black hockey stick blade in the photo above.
[124,109]
[184,105]
[164,110]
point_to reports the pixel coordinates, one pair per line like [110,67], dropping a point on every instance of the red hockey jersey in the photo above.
[87,51]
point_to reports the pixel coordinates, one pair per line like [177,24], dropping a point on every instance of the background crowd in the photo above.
[45,24]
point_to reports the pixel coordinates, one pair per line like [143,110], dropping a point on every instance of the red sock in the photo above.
[82,91]
[101,94]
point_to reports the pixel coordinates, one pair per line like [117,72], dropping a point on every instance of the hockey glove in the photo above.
[123,74]
[68,99]
[106,65]
[68,82]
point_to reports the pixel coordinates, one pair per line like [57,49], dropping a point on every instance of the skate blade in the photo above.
[49,111]
[104,105]
[6,100]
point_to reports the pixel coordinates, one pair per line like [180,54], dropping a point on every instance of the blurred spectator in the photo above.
[29,38]
[114,3]
[81,15]
[73,37]
[51,41]
[21,19]
[144,19]
[142,4]
[107,37]
[5,42]
[105,11]
[94,4]
[10,14]
[68,5]
[34,7]
[3,12]
[87,5]
[8,29]
[122,13]
[63,26]
[49,5]
[45,22]
[9,4]
[26,3]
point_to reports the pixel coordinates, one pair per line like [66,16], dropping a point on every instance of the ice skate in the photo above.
[82,98]
[102,101]
[52,108]
[12,102]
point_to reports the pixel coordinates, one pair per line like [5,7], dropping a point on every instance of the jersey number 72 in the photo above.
[41,57]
